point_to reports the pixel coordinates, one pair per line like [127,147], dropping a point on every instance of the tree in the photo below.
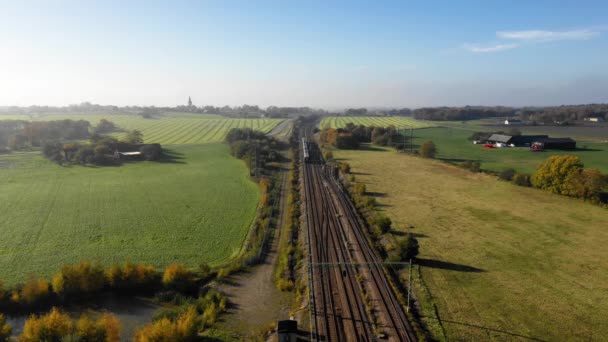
[81,279]
[345,167]
[135,137]
[384,223]
[587,184]
[409,248]
[428,149]
[179,278]
[553,173]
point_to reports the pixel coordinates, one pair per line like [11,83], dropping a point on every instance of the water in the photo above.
[133,312]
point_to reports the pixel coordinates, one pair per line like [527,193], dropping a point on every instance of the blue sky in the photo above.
[317,53]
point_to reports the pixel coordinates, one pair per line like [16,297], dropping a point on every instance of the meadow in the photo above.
[379,121]
[453,146]
[501,262]
[196,206]
[169,128]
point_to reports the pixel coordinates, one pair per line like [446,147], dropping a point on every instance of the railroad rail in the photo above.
[351,299]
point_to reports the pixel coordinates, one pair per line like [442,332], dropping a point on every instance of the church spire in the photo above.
[189,102]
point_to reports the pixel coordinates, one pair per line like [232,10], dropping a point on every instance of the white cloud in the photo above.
[548,36]
[492,48]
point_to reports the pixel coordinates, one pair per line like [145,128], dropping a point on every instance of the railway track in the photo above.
[349,302]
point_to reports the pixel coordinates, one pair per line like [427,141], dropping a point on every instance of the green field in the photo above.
[453,146]
[196,207]
[379,121]
[171,128]
[502,263]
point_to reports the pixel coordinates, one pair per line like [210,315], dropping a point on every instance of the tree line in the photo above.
[351,136]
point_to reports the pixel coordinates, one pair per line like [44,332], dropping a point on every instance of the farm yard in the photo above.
[167,129]
[379,121]
[453,146]
[194,206]
[500,262]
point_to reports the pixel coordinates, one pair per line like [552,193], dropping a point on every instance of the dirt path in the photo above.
[254,299]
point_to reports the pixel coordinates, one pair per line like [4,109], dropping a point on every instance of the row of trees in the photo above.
[461,113]
[19,134]
[563,114]
[179,326]
[57,325]
[84,280]
[254,147]
[351,136]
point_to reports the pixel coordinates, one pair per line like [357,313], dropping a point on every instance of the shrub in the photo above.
[5,329]
[507,174]
[284,284]
[360,189]
[345,167]
[428,149]
[131,276]
[58,326]
[82,279]
[179,278]
[182,329]
[33,291]
[54,326]
[328,154]
[521,179]
[475,166]
[384,223]
[406,249]
[204,269]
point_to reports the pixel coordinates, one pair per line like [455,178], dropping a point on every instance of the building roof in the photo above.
[500,138]
[130,153]
[557,140]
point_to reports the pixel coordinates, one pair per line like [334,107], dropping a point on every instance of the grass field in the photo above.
[173,128]
[503,263]
[379,121]
[453,146]
[196,207]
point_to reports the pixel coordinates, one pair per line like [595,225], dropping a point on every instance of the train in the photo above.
[306,153]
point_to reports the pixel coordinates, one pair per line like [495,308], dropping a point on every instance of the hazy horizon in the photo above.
[333,56]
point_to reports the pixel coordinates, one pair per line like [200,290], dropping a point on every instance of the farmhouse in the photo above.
[511,122]
[515,140]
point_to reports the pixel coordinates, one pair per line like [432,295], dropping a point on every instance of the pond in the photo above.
[133,312]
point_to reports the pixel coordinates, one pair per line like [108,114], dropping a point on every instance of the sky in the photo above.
[323,54]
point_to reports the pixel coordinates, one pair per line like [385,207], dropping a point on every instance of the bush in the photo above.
[5,329]
[384,223]
[32,292]
[507,175]
[360,189]
[406,249]
[179,278]
[54,326]
[521,179]
[345,167]
[131,276]
[428,149]
[82,279]
[182,329]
